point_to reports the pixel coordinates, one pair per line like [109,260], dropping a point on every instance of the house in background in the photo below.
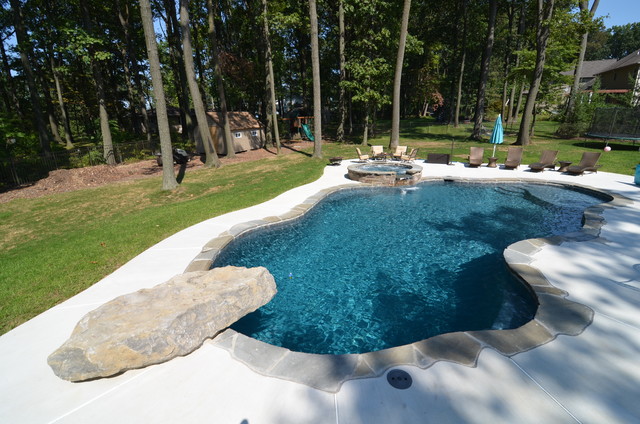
[623,76]
[588,72]
[246,132]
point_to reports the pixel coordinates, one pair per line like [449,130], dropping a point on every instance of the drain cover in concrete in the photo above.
[399,379]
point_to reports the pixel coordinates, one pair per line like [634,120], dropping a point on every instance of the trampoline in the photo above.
[621,124]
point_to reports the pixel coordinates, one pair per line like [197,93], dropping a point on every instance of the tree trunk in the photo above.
[68,135]
[315,65]
[48,102]
[545,12]
[24,48]
[127,65]
[484,71]
[365,135]
[463,58]
[178,66]
[168,176]
[272,115]
[107,142]
[9,92]
[514,110]
[397,79]
[212,13]
[342,109]
[212,159]
[584,6]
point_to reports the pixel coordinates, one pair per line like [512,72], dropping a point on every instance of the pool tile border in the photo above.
[555,315]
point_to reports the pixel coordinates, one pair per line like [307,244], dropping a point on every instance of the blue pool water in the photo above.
[372,268]
[377,167]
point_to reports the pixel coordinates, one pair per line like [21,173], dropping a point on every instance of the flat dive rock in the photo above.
[154,325]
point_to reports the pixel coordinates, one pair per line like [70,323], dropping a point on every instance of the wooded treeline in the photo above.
[77,71]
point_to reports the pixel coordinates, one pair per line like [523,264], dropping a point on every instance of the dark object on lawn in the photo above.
[180,157]
[442,158]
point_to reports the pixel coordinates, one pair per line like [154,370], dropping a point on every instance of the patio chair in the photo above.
[475,156]
[361,156]
[547,160]
[514,157]
[410,157]
[377,152]
[400,150]
[587,163]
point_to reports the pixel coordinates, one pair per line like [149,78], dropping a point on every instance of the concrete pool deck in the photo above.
[592,377]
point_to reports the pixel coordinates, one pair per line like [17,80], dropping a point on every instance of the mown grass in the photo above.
[56,246]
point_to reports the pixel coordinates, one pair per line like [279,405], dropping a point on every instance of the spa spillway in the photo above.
[385,173]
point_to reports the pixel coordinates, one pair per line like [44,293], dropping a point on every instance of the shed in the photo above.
[246,132]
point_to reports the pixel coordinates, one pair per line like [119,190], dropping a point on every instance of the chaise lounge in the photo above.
[547,160]
[475,156]
[514,157]
[587,163]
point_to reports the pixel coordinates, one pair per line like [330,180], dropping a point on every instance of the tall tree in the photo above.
[397,80]
[463,59]
[24,46]
[61,103]
[212,159]
[96,68]
[8,88]
[212,14]
[272,115]
[543,30]
[177,63]
[342,108]
[586,16]
[315,65]
[484,71]
[514,109]
[168,177]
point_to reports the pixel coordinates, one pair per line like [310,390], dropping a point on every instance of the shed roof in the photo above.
[237,120]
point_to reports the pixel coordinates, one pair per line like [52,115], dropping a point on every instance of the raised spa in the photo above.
[385,173]
[376,267]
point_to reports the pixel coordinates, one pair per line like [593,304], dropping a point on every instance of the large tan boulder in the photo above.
[154,325]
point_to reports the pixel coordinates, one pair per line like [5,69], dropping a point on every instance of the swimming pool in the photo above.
[367,269]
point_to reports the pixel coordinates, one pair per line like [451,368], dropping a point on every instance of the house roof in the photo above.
[237,120]
[592,67]
[629,60]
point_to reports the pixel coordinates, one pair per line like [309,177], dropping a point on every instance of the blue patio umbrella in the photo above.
[497,136]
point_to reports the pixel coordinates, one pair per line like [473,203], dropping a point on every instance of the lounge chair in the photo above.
[475,156]
[547,160]
[400,150]
[514,157]
[587,163]
[361,156]
[377,152]
[410,157]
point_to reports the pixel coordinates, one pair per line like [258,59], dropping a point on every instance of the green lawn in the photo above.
[56,246]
